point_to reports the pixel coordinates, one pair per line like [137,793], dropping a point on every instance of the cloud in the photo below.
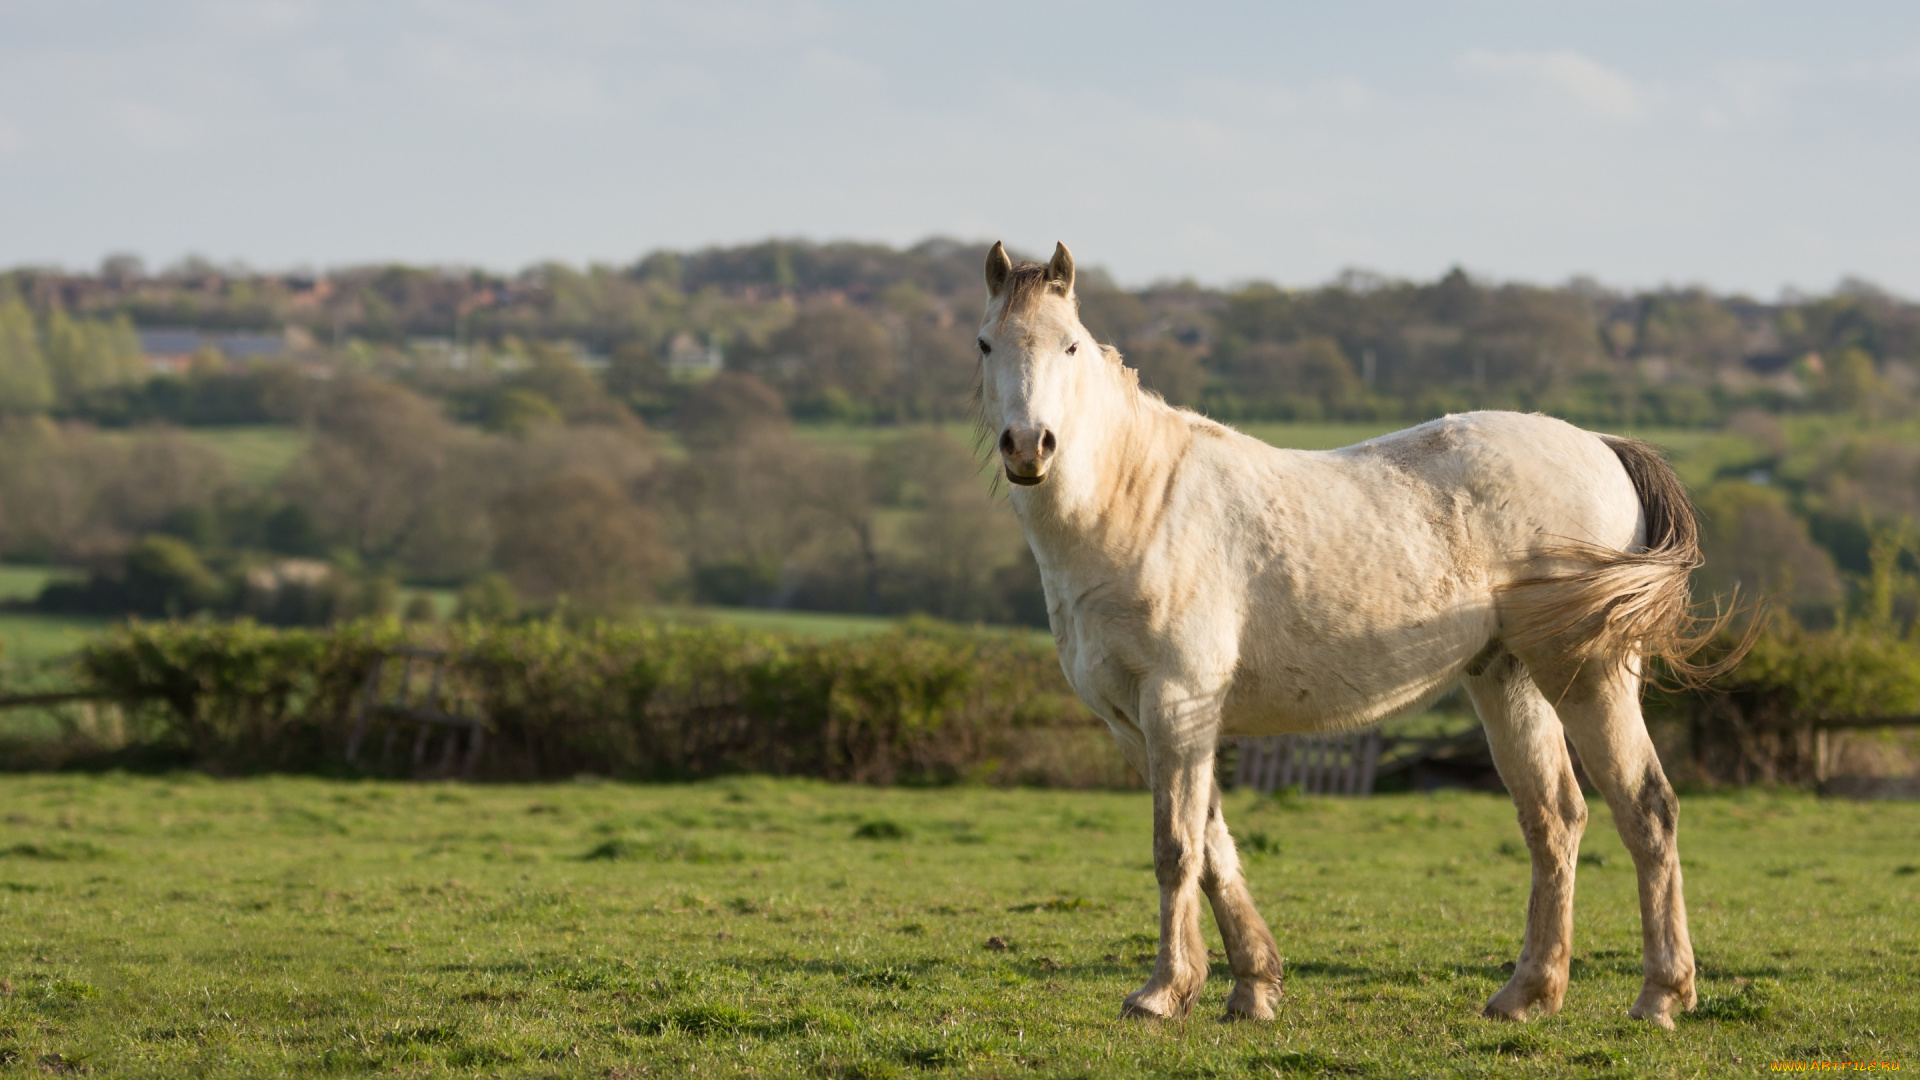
[1596,89]
[1754,87]
[257,18]
[152,127]
[1341,96]
[835,68]
[325,68]
[11,137]
[524,84]
[1904,67]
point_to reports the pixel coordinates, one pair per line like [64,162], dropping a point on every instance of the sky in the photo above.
[1745,146]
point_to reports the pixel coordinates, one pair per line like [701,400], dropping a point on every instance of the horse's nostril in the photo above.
[1046,442]
[1006,441]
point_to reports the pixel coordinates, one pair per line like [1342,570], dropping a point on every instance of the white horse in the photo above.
[1201,583]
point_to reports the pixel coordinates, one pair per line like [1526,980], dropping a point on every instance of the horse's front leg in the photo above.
[1180,772]
[1251,951]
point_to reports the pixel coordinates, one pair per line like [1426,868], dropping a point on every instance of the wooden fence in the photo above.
[1341,764]
[424,698]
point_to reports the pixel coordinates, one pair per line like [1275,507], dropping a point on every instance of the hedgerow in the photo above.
[1757,723]
[921,704]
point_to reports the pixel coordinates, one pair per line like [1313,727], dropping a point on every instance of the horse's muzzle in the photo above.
[1024,452]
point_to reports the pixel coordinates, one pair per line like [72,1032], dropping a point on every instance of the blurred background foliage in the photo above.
[787,425]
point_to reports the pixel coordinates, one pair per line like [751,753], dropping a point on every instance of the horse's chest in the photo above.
[1103,654]
[1102,675]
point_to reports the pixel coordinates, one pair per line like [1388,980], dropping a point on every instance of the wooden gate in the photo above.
[1317,764]
[424,698]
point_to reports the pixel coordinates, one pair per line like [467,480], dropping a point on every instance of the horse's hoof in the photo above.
[1252,1002]
[1494,1011]
[1659,1018]
[1657,1004]
[1149,1004]
[1257,1011]
[1517,1004]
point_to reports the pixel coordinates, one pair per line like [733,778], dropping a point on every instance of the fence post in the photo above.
[364,715]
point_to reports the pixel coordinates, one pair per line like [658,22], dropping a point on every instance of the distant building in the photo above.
[171,351]
[441,351]
[687,358]
[591,360]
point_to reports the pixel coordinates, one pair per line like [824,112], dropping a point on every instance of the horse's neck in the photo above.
[1115,485]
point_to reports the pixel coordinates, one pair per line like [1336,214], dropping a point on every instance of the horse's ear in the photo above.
[999,269]
[1060,270]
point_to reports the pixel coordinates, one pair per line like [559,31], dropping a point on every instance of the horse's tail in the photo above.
[1622,603]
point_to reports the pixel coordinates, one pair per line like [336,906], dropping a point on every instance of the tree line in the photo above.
[871,333]
[535,440]
[577,504]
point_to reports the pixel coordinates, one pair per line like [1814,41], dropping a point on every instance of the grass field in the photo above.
[257,453]
[811,624]
[28,640]
[1329,435]
[182,926]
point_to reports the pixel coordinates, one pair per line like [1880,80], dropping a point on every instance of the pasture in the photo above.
[185,926]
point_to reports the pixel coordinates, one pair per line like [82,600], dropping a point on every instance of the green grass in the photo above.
[27,639]
[182,926]
[25,582]
[1316,436]
[1329,435]
[864,437]
[808,624]
[258,454]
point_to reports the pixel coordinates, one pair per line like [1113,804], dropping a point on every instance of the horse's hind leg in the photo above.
[1530,750]
[1251,952]
[1601,707]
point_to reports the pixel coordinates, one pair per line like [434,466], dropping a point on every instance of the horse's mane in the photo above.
[1026,285]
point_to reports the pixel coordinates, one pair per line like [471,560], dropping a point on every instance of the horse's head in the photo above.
[1036,361]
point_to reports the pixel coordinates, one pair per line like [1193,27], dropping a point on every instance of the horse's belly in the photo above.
[1331,688]
[1290,711]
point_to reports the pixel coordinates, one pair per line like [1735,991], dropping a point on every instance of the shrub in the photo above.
[1756,723]
[922,704]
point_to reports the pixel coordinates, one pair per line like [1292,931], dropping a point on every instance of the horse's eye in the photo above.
[1073,348]
[984,347]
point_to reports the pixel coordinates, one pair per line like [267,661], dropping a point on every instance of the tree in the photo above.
[742,511]
[487,598]
[1313,370]
[1169,369]
[829,360]
[165,577]
[1852,383]
[84,355]
[635,374]
[729,408]
[71,494]
[519,411]
[580,537]
[25,385]
[1753,542]
[376,475]
[960,537]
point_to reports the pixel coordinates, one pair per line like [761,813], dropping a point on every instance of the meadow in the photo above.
[186,926]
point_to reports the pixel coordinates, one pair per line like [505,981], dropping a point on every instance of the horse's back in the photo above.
[1396,549]
[1530,478]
